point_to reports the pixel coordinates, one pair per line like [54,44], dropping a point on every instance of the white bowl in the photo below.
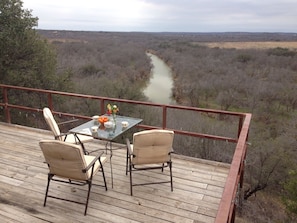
[94,128]
[95,119]
[108,124]
[125,124]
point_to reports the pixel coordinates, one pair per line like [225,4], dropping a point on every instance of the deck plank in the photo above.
[198,186]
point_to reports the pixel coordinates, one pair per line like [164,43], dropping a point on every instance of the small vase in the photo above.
[114,118]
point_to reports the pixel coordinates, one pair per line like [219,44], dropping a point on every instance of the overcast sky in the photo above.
[166,15]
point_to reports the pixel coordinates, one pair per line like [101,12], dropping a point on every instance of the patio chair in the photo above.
[67,137]
[151,149]
[68,164]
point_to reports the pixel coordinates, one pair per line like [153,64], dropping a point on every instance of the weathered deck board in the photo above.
[198,187]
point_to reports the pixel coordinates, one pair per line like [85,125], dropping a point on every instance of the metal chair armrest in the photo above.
[93,162]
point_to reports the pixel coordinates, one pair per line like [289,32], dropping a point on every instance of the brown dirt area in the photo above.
[253,45]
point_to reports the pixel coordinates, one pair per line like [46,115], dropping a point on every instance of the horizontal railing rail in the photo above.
[226,211]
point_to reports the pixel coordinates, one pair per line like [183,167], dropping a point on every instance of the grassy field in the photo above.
[255,45]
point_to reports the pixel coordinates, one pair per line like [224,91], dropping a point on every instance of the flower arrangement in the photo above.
[112,109]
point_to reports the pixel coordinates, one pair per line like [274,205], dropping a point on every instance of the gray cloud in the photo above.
[167,15]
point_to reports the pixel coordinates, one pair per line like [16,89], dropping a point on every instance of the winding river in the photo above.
[159,89]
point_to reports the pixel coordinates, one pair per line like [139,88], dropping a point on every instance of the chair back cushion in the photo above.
[49,118]
[66,160]
[152,146]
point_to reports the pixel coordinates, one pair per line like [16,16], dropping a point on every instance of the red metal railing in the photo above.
[226,212]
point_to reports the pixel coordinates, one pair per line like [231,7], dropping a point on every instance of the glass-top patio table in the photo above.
[106,134]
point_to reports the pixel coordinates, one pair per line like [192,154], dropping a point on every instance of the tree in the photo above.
[290,195]
[25,58]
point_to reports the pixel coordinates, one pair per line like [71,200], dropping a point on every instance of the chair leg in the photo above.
[127,156]
[103,175]
[49,177]
[88,196]
[170,168]
[90,185]
[130,170]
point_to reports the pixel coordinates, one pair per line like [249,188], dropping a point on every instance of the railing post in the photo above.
[164,123]
[50,101]
[6,108]
[102,106]
[242,168]
[240,125]
[232,220]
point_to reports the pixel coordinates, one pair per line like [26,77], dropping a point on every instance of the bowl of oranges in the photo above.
[102,119]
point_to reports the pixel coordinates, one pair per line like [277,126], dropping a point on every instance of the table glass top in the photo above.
[106,133]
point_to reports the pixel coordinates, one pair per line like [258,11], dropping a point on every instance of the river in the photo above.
[159,89]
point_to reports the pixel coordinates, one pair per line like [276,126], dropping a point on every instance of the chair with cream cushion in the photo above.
[68,164]
[151,149]
[67,137]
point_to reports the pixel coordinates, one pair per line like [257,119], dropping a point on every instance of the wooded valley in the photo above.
[261,81]
[246,72]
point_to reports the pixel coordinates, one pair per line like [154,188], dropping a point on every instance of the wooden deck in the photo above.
[198,187]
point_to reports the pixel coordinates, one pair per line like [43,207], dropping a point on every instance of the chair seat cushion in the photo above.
[89,159]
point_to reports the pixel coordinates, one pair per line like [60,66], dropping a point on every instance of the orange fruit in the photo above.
[102,119]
